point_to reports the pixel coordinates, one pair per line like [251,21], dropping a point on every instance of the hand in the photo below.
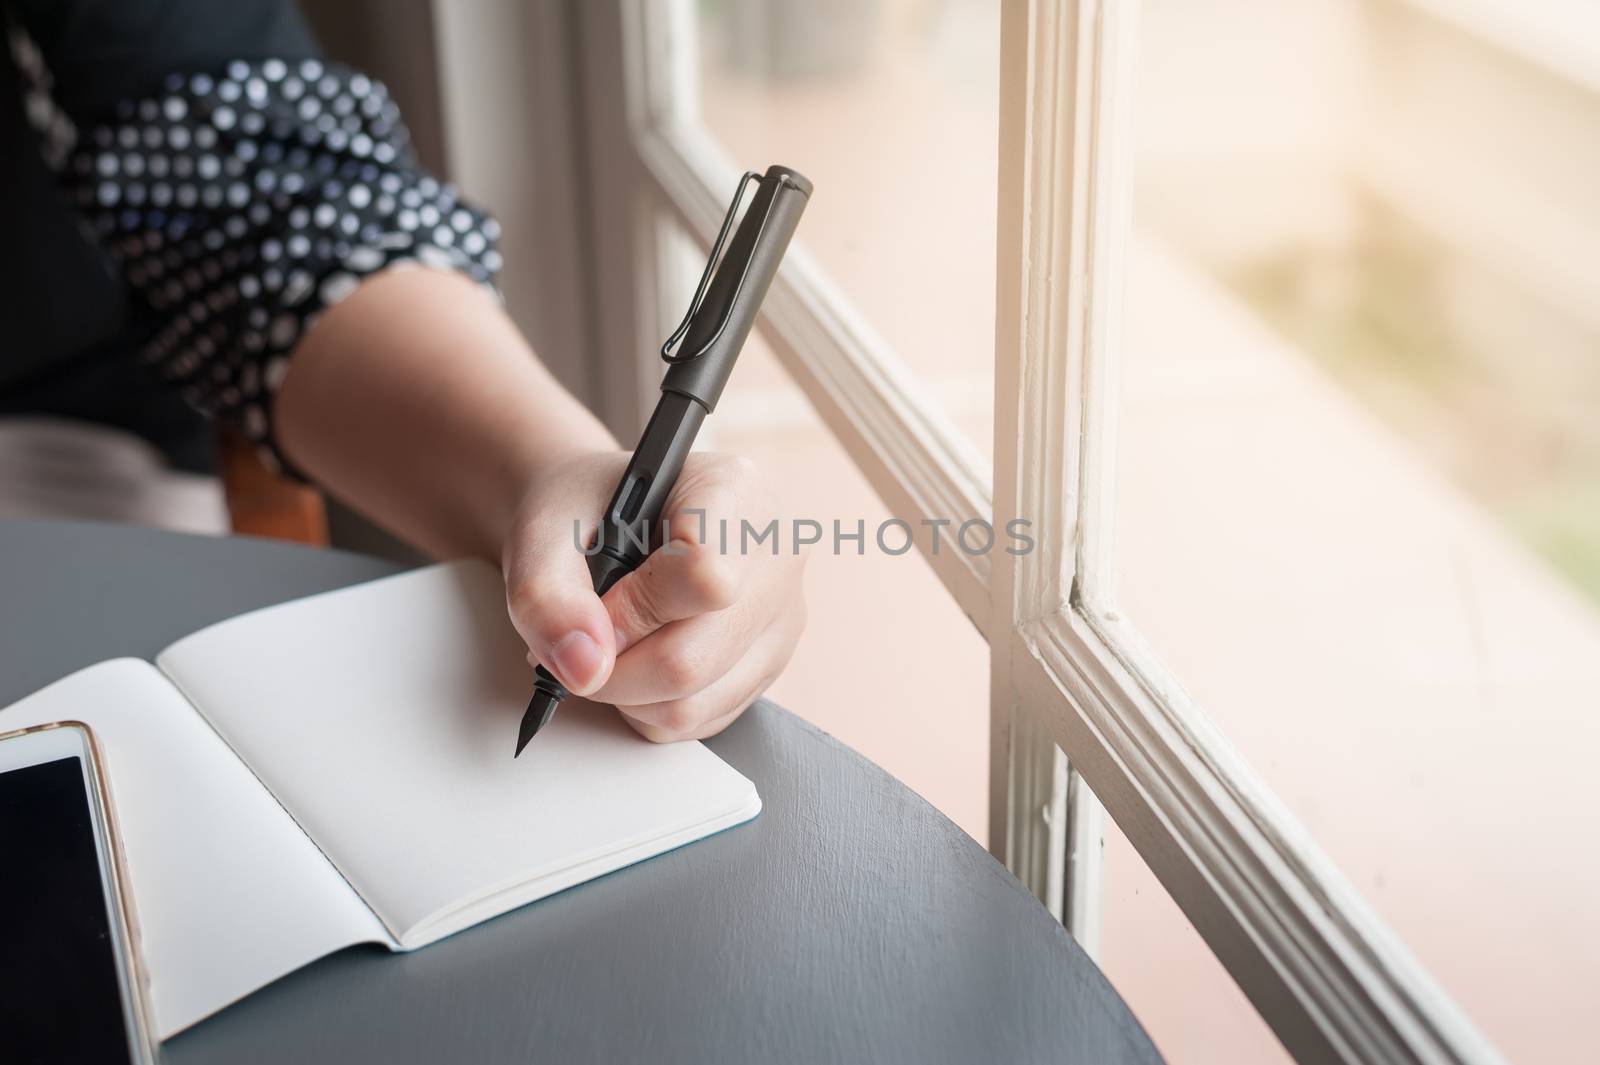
[682,645]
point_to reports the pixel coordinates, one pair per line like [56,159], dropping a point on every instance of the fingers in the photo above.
[685,657]
[709,711]
[684,578]
[692,573]
[687,641]
[660,734]
[564,624]
[551,599]
[681,658]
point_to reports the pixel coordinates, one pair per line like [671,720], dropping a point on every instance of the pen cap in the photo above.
[734,295]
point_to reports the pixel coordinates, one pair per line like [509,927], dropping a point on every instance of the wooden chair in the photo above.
[261,503]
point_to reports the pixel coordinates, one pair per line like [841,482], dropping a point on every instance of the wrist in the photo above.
[539,473]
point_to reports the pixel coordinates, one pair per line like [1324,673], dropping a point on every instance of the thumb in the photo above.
[682,579]
[550,596]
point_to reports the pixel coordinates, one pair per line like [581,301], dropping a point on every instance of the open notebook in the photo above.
[338,770]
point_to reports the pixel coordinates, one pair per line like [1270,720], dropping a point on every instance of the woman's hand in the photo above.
[416,401]
[686,642]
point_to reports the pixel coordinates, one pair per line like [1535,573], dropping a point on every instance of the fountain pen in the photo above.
[700,355]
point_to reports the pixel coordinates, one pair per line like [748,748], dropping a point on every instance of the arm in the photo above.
[418,403]
[255,199]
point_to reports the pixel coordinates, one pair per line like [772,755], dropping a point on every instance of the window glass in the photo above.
[1359,488]
[890,107]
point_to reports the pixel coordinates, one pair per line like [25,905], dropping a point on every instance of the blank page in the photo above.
[384,716]
[230,894]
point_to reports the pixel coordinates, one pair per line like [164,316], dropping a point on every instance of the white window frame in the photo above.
[1068,674]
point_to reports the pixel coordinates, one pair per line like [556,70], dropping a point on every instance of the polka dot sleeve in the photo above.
[242,204]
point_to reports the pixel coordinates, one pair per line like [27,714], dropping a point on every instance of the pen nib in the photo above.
[524,734]
[540,709]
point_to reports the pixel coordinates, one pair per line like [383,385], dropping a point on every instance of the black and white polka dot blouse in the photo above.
[243,202]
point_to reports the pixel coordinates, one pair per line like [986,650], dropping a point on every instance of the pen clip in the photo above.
[667,354]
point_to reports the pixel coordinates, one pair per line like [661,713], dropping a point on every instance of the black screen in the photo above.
[59,994]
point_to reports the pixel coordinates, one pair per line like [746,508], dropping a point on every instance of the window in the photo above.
[894,108]
[1356,451]
[1123,311]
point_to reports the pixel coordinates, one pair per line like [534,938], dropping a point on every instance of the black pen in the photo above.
[712,334]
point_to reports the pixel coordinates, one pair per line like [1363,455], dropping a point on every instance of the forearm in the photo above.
[416,401]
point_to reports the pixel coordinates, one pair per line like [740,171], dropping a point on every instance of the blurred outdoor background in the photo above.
[1359,493]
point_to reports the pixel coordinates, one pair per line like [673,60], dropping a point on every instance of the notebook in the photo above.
[337,770]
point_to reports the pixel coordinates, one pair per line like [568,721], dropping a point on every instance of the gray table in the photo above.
[850,922]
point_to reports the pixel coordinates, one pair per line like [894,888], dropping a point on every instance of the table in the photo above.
[850,922]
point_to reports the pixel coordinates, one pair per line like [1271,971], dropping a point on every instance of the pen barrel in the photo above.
[734,296]
[629,529]
[605,571]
